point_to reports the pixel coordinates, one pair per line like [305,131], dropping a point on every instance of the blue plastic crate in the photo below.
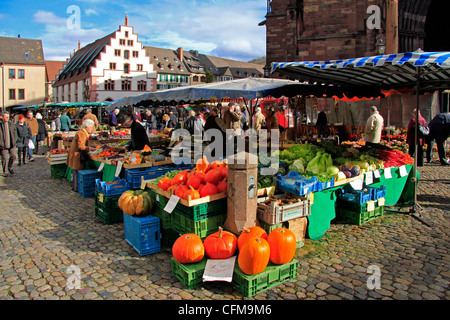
[325,185]
[296,184]
[134,176]
[349,194]
[106,188]
[377,192]
[87,191]
[88,176]
[143,233]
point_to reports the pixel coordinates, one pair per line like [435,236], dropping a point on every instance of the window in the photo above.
[21,74]
[126,85]
[140,67]
[126,34]
[112,65]
[21,94]
[117,52]
[142,85]
[12,73]
[12,94]
[122,42]
[109,85]
[130,43]
[203,79]
[126,54]
[135,54]
[126,68]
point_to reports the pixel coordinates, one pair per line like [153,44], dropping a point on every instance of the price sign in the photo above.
[403,171]
[387,173]
[118,168]
[381,202]
[370,205]
[219,269]
[358,183]
[100,168]
[171,203]
[369,177]
[377,174]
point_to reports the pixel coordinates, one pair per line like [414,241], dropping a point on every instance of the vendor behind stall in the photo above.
[139,136]
[93,117]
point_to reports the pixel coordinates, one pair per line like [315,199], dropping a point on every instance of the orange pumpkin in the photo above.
[250,233]
[220,245]
[282,244]
[181,190]
[222,186]
[217,164]
[194,181]
[208,190]
[194,194]
[188,248]
[214,176]
[202,165]
[164,183]
[180,178]
[254,256]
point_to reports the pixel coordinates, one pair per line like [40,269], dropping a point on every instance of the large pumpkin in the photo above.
[188,248]
[249,233]
[220,245]
[136,203]
[254,256]
[282,244]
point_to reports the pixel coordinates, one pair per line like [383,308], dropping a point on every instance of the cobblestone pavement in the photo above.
[45,228]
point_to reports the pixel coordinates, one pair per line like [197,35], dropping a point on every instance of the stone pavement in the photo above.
[45,228]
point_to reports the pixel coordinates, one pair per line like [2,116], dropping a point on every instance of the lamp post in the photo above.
[381,47]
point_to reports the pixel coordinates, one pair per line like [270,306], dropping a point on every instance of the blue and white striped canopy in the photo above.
[391,71]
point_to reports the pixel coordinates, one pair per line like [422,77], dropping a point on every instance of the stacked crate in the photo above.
[58,171]
[135,176]
[86,182]
[143,233]
[107,194]
[360,206]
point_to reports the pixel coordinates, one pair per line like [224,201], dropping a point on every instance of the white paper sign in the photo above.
[381,202]
[171,203]
[358,183]
[219,269]
[118,168]
[387,173]
[369,177]
[370,205]
[403,171]
[100,168]
[377,174]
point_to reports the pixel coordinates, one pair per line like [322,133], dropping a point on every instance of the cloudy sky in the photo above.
[222,28]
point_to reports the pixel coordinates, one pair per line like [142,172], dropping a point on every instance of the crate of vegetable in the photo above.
[280,208]
[110,188]
[297,184]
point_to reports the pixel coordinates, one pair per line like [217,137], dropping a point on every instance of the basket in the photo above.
[296,184]
[272,213]
[358,214]
[58,171]
[351,195]
[134,176]
[110,188]
[142,233]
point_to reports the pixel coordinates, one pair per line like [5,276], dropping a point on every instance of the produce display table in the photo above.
[323,211]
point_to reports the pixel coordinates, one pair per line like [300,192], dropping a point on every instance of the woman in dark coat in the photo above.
[23,135]
[410,138]
[42,132]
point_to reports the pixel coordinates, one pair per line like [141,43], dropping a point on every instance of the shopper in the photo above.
[193,124]
[42,133]
[93,117]
[139,138]
[8,140]
[167,123]
[78,146]
[34,126]
[321,124]
[374,126]
[23,136]
[65,121]
[232,118]
[112,121]
[410,138]
[439,132]
[259,120]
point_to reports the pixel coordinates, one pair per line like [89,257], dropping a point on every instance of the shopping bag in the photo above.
[30,144]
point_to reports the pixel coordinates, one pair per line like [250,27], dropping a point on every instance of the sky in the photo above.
[221,28]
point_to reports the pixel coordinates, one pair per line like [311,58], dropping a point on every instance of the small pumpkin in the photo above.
[180,178]
[222,186]
[208,190]
[181,190]
[249,233]
[188,248]
[282,244]
[202,165]
[217,164]
[214,176]
[220,245]
[254,256]
[194,194]
[164,183]
[194,181]
[224,172]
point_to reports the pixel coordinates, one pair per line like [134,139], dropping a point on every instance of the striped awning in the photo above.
[372,74]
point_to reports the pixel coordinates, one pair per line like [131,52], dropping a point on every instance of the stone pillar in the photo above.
[241,192]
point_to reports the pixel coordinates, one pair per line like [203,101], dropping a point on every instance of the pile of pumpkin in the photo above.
[206,179]
[136,203]
[256,248]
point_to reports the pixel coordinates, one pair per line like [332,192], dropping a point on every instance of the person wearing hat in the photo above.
[374,126]
[8,141]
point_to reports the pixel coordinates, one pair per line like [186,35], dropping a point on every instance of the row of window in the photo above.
[126,53]
[173,78]
[125,85]
[20,94]
[124,42]
[126,67]
[20,73]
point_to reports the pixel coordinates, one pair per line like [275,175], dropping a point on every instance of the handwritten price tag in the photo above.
[387,173]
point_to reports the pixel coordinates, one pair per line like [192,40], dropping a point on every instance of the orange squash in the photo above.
[254,256]
[165,183]
[214,176]
[194,194]
[282,244]
[250,233]
[194,181]
[217,164]
[181,190]
[202,165]
[180,178]
[220,245]
[208,190]
[222,186]
[188,248]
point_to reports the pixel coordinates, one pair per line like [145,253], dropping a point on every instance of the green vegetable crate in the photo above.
[107,208]
[190,275]
[58,171]
[359,214]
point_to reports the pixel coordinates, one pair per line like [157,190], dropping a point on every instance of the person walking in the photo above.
[23,135]
[411,138]
[258,121]
[34,126]
[93,117]
[193,124]
[42,133]
[8,141]
[77,147]
[374,126]
[65,121]
[439,132]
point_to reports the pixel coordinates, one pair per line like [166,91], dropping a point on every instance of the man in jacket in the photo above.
[8,140]
[232,118]
[139,136]
[439,132]
[374,126]
[112,121]
[34,126]
[93,117]
[258,120]
[193,124]
[65,121]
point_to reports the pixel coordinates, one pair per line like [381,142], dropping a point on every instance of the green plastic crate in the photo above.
[58,171]
[359,218]
[273,275]
[164,217]
[168,237]
[109,216]
[191,275]
[106,202]
[202,228]
[196,213]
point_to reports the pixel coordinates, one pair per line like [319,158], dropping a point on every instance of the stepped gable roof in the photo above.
[21,51]
[83,59]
